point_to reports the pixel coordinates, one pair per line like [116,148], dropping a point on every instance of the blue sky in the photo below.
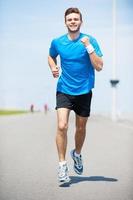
[26,29]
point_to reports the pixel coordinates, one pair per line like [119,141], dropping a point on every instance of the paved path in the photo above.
[28,160]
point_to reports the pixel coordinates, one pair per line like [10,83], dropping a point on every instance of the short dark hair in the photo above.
[73,10]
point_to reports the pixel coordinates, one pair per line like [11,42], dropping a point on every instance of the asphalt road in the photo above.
[29,162]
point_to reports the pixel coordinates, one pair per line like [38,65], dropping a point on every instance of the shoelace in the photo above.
[62,170]
[79,161]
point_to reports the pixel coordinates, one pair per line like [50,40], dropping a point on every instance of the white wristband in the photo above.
[90,49]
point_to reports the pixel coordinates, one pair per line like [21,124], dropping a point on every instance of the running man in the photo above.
[80,56]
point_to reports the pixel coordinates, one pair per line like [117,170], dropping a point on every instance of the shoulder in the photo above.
[59,39]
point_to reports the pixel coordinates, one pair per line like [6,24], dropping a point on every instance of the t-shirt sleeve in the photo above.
[96,47]
[53,50]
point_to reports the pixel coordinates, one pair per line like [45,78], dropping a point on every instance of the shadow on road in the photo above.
[77,179]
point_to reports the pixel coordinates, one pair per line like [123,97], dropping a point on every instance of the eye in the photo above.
[76,19]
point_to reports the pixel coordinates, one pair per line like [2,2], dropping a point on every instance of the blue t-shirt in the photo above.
[77,76]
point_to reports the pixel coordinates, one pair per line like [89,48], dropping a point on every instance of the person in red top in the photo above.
[45,108]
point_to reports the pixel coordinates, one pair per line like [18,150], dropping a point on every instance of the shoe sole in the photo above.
[64,182]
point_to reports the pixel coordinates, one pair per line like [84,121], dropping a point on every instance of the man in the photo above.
[80,56]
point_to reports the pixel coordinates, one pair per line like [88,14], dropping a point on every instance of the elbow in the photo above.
[49,58]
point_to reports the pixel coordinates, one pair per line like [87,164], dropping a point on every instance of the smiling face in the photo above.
[73,22]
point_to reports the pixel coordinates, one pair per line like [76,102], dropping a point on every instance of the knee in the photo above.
[80,129]
[62,127]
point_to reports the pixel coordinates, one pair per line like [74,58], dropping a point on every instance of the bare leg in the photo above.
[80,132]
[61,137]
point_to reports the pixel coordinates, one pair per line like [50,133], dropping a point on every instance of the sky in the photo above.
[26,30]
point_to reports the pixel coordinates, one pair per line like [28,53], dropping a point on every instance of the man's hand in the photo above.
[55,71]
[85,41]
[53,66]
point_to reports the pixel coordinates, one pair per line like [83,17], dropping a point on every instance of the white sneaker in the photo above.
[63,174]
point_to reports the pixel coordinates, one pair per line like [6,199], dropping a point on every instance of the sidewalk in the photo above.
[28,160]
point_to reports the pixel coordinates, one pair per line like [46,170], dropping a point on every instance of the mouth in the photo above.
[73,26]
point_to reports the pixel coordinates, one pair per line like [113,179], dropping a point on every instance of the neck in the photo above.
[73,36]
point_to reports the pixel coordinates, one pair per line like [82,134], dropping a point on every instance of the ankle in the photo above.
[61,163]
[76,154]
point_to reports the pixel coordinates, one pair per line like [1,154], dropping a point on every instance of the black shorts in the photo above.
[80,104]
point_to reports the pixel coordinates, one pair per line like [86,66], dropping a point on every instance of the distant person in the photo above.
[80,56]
[32,108]
[45,108]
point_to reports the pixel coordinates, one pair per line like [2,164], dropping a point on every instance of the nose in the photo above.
[73,21]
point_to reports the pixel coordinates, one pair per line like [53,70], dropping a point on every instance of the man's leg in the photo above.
[80,132]
[61,137]
[79,141]
[61,141]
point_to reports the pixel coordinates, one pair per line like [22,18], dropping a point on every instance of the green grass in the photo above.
[12,112]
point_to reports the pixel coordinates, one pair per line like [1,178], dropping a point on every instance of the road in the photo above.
[29,162]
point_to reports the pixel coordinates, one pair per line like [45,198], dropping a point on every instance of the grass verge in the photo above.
[12,112]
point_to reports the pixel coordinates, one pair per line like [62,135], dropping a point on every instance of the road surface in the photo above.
[29,162]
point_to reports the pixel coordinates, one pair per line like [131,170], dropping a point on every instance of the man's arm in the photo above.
[96,61]
[53,66]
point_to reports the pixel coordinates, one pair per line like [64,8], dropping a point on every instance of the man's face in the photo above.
[73,22]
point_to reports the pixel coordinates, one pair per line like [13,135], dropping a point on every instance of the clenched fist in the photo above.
[85,40]
[55,72]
